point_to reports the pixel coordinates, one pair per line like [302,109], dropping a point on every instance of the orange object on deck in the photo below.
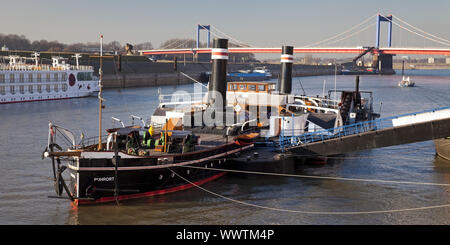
[173,124]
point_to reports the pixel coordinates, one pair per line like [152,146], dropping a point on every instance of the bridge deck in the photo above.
[351,50]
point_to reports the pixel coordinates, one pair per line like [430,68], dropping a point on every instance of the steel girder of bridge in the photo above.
[409,51]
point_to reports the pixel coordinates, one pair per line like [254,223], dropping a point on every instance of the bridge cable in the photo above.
[244,44]
[223,34]
[170,43]
[442,39]
[180,42]
[342,33]
[431,39]
[351,35]
[309,212]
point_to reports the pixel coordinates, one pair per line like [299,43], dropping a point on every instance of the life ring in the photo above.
[72,79]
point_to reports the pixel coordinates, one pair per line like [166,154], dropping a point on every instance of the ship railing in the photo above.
[181,98]
[322,102]
[292,137]
[89,141]
[29,67]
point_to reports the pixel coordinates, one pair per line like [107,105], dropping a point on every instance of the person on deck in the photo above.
[131,144]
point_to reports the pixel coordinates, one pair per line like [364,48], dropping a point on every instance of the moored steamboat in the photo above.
[152,159]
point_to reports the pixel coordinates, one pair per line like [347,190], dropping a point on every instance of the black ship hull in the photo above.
[93,178]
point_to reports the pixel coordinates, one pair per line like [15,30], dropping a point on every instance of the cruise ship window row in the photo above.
[22,89]
[30,77]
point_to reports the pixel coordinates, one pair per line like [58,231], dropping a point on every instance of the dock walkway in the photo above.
[402,129]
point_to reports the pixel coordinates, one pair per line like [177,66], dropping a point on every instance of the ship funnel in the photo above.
[357,84]
[287,58]
[218,84]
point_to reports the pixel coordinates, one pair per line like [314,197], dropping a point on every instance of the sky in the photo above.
[260,23]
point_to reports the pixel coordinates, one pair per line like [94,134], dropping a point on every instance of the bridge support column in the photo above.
[383,63]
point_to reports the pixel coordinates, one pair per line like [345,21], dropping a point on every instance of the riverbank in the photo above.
[422,66]
[144,74]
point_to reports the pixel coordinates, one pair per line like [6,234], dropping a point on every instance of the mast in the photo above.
[403,66]
[100,99]
[35,57]
[77,57]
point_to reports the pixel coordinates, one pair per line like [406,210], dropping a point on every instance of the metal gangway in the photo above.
[402,129]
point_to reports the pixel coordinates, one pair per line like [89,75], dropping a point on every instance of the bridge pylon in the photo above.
[381,18]
[383,62]
[208,29]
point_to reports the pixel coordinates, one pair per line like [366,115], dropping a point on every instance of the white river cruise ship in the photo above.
[22,82]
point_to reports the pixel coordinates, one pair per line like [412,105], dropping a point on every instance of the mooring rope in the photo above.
[311,212]
[321,177]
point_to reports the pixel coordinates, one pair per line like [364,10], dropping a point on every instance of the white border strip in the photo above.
[219,54]
[158,166]
[287,58]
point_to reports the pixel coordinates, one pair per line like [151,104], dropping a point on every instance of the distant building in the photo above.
[4,48]
[447,60]
[439,60]
[431,60]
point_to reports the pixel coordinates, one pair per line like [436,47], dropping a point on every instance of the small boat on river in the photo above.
[406,81]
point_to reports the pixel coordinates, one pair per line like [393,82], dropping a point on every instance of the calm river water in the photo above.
[25,179]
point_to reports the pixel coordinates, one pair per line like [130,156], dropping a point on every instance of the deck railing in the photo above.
[298,137]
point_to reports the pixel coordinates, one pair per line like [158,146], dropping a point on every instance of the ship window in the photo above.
[242,87]
[2,89]
[56,87]
[30,89]
[252,87]
[21,77]
[2,78]
[80,76]
[64,87]
[30,77]
[84,76]
[12,90]
[64,77]
[39,88]
[22,89]
[233,87]
[11,78]
[271,87]
[47,87]
[261,87]
[55,76]
[39,77]
[47,76]
[88,76]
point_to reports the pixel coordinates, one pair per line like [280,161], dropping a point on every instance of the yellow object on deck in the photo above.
[151,131]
